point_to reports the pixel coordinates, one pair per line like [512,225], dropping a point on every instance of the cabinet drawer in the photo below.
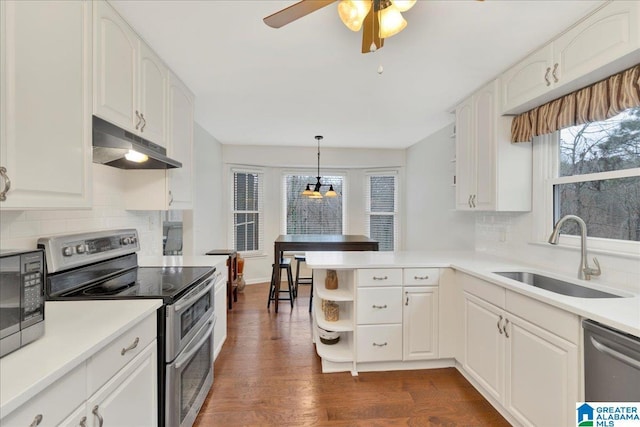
[379,305]
[379,343]
[487,291]
[421,276]
[102,366]
[380,277]
[53,404]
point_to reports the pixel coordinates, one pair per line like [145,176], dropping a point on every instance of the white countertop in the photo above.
[619,313]
[74,331]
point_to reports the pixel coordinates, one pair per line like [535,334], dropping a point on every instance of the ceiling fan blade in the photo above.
[370,32]
[295,11]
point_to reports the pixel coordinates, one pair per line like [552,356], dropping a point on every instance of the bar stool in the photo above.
[307,280]
[276,278]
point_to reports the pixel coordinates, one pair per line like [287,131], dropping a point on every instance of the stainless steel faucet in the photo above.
[585,272]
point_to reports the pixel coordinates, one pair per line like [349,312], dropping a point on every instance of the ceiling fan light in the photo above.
[403,5]
[353,12]
[391,22]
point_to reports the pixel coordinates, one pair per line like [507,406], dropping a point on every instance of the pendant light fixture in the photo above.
[315,193]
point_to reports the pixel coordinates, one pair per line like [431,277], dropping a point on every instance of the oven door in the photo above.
[186,316]
[189,378]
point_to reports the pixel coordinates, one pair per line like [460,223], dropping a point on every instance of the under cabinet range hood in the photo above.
[114,146]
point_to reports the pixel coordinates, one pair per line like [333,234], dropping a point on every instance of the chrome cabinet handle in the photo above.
[420,277]
[7,183]
[139,119]
[473,200]
[380,278]
[379,306]
[36,421]
[375,344]
[170,198]
[499,325]
[83,422]
[144,122]
[406,302]
[469,201]
[133,345]
[546,76]
[554,73]
[504,328]
[96,412]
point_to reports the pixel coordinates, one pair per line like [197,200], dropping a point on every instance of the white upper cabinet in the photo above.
[491,173]
[130,80]
[45,104]
[180,147]
[606,42]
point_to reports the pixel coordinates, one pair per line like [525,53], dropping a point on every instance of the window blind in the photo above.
[248,218]
[381,195]
[303,215]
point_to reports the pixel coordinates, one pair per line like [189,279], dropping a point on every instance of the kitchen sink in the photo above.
[554,285]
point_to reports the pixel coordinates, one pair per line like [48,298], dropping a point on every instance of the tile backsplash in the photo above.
[508,234]
[21,229]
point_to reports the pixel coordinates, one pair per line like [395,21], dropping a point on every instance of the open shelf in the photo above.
[339,352]
[345,286]
[345,322]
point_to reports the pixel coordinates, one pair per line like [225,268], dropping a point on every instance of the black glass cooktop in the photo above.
[98,282]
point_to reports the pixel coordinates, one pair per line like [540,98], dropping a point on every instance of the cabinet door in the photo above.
[45,129]
[541,375]
[465,167]
[180,144]
[379,343]
[484,345]
[602,38]
[115,68]
[484,108]
[526,81]
[420,323]
[152,103]
[130,397]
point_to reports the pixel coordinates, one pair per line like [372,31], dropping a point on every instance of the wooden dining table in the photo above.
[319,242]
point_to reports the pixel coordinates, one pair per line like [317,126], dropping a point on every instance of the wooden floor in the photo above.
[269,374]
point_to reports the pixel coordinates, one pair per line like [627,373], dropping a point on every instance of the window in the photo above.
[247,211]
[598,177]
[382,207]
[312,216]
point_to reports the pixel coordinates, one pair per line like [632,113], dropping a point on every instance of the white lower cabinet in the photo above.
[532,372]
[420,323]
[379,343]
[130,397]
[117,386]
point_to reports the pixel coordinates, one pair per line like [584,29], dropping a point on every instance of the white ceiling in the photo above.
[263,86]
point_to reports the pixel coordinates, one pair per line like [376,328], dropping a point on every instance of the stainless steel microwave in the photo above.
[22,277]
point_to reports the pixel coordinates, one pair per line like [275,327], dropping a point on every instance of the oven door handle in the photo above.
[188,300]
[188,355]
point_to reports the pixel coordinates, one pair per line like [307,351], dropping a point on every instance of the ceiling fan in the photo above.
[378,19]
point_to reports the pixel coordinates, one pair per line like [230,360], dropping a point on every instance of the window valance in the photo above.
[599,101]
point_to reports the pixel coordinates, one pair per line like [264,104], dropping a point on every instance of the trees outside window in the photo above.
[247,211]
[304,215]
[599,177]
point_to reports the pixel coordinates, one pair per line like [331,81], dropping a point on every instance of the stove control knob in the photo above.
[67,251]
[80,249]
[134,240]
[125,240]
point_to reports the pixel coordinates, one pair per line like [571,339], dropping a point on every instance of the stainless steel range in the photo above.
[104,265]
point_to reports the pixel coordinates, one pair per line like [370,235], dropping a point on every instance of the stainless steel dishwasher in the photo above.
[611,364]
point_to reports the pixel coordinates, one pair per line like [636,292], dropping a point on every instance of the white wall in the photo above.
[21,229]
[275,161]
[205,226]
[431,222]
